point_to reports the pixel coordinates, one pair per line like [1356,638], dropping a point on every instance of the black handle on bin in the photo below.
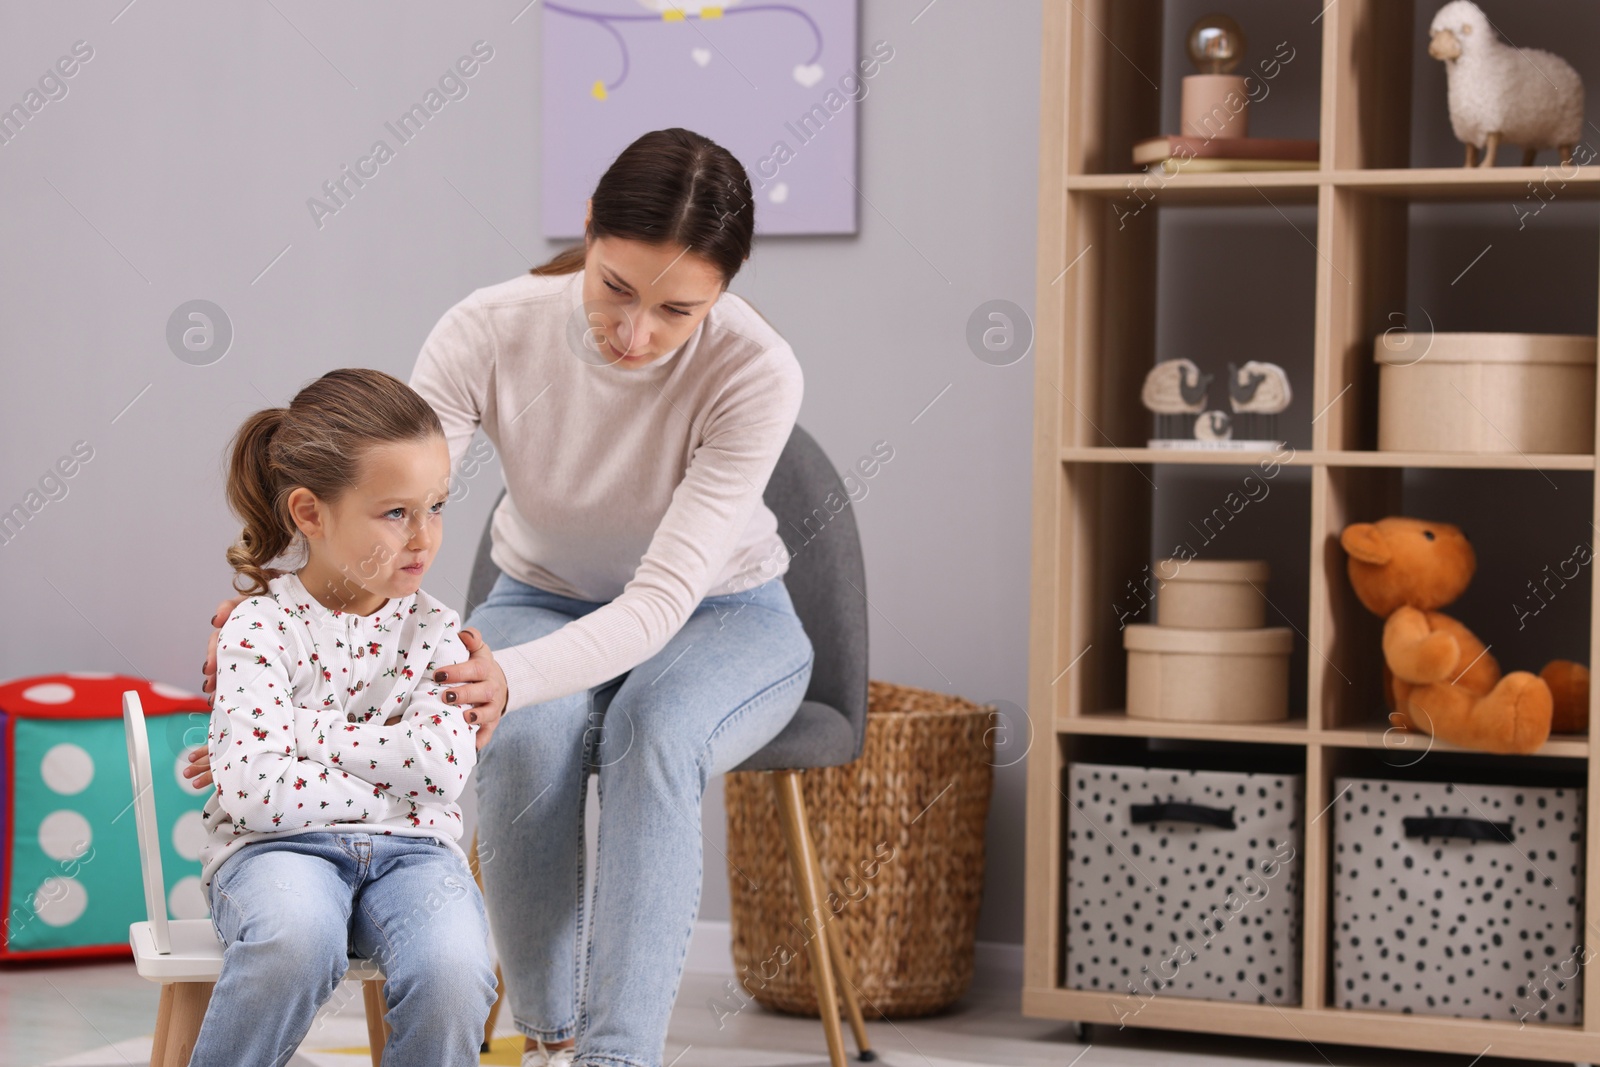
[1173,811]
[1456,826]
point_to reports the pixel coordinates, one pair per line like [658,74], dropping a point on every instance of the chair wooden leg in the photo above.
[847,989]
[808,884]
[163,1022]
[184,1010]
[377,1026]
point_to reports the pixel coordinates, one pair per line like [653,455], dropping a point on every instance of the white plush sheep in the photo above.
[1523,96]
[1175,390]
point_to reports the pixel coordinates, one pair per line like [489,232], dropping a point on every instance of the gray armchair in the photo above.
[827,582]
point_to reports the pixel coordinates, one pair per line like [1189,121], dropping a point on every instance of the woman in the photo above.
[638,408]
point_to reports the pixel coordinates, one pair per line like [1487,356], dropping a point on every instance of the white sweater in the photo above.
[297,737]
[636,487]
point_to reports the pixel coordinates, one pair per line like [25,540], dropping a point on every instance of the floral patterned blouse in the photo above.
[299,736]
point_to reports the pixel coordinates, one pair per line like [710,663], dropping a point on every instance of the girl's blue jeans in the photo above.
[723,686]
[290,913]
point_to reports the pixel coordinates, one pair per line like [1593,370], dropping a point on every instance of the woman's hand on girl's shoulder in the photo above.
[479,684]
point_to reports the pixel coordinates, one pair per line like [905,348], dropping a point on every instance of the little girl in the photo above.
[333,826]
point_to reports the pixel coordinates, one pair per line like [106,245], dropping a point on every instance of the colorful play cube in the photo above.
[69,858]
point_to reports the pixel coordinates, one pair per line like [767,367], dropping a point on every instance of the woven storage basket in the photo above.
[900,834]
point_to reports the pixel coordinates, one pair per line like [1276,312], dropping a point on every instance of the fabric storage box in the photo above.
[1485,392]
[1212,594]
[1458,899]
[1183,883]
[1207,675]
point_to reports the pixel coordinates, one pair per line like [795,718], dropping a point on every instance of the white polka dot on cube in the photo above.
[67,769]
[60,901]
[65,835]
[187,900]
[189,835]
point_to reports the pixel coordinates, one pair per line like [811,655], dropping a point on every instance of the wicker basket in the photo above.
[900,833]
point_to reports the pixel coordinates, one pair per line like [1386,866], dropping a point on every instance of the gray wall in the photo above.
[177,167]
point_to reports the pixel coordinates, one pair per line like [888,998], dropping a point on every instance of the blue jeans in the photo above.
[723,686]
[291,912]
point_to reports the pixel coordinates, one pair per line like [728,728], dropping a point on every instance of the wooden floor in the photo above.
[100,1015]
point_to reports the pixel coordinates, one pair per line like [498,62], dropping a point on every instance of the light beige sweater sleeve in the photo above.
[638,489]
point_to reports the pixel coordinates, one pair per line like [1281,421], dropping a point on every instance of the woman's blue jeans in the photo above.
[291,911]
[722,687]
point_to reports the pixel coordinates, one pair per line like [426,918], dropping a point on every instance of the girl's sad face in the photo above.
[377,539]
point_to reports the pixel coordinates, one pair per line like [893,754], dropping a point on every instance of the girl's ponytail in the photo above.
[318,443]
[255,495]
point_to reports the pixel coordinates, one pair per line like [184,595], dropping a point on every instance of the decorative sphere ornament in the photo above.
[1216,44]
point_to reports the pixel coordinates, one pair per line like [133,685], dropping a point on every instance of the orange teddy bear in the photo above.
[1438,677]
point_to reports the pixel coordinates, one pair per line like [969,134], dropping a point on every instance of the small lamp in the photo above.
[1215,103]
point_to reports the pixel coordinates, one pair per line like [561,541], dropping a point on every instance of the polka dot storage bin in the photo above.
[69,859]
[1456,899]
[1183,883]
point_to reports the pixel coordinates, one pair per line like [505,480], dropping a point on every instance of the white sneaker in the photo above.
[539,1056]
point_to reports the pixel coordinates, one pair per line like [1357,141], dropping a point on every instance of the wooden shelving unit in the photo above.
[1097,300]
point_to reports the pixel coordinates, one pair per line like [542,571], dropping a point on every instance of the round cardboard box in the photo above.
[1212,594]
[1179,675]
[1485,392]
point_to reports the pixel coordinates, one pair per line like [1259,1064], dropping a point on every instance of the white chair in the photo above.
[184,955]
